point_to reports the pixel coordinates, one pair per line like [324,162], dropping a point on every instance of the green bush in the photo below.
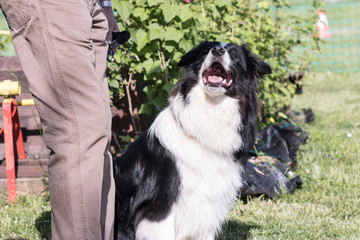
[162,31]
[5,45]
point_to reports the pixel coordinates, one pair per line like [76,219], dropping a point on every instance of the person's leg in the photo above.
[108,196]
[63,65]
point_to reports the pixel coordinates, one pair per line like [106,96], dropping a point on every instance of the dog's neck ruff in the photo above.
[213,122]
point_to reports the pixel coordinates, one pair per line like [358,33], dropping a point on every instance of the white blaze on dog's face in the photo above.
[214,72]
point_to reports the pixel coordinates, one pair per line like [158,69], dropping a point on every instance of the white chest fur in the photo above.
[209,184]
[213,121]
[202,135]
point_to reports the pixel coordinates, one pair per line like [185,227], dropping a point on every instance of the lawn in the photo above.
[326,207]
[328,204]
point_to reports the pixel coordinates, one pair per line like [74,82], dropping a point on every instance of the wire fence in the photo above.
[341,51]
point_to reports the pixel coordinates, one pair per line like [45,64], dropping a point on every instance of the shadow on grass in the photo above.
[43,225]
[233,230]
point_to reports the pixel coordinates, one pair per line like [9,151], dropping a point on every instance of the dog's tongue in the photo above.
[214,79]
[209,77]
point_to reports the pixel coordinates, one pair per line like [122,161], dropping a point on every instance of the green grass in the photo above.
[326,207]
[328,204]
[29,218]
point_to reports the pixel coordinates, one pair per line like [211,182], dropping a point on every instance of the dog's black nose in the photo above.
[218,51]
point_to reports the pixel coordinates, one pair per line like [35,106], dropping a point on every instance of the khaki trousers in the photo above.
[62,49]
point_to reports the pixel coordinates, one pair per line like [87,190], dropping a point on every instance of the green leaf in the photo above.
[113,83]
[117,56]
[153,2]
[185,13]
[215,13]
[126,138]
[287,4]
[169,47]
[236,40]
[159,103]
[230,18]
[186,45]
[282,115]
[221,3]
[173,34]
[169,13]
[138,67]
[146,109]
[141,39]
[222,38]
[140,13]
[156,32]
[263,4]
[168,87]
[124,9]
[177,56]
[150,66]
[139,3]
[150,91]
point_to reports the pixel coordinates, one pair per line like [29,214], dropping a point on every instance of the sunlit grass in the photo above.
[328,204]
[29,218]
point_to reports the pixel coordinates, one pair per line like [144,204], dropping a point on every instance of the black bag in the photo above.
[267,175]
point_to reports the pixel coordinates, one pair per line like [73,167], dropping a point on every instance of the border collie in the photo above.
[179,180]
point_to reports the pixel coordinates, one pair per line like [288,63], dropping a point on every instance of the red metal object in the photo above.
[17,131]
[12,131]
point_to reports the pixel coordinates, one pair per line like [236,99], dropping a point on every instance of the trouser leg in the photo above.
[108,205]
[62,53]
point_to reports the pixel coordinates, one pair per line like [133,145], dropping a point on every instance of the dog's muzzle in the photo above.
[218,51]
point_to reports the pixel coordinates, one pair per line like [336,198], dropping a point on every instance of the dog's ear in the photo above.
[196,53]
[255,64]
[187,58]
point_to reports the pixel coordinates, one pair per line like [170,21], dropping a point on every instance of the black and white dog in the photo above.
[179,180]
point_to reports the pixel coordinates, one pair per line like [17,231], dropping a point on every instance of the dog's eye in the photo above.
[233,55]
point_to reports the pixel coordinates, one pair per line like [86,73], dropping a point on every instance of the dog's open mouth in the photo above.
[216,76]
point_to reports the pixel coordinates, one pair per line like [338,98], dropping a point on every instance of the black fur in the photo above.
[147,184]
